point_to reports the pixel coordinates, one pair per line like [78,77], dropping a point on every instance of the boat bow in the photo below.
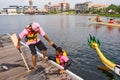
[95,44]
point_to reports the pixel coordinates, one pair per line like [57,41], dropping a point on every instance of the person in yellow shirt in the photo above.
[97,19]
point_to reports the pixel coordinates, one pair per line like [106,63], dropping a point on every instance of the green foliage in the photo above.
[118,9]
[110,15]
[113,7]
[54,12]
[93,39]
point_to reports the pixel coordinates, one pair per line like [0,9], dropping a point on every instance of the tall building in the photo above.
[82,7]
[30,3]
[31,9]
[64,6]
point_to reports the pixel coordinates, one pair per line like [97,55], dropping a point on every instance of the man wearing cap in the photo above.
[30,33]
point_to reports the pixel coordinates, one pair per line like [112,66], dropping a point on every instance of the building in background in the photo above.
[31,9]
[83,7]
[98,6]
[13,9]
[63,6]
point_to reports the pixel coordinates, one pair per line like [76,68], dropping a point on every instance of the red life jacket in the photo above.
[111,21]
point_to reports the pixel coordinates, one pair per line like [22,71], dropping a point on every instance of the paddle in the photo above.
[15,40]
[103,68]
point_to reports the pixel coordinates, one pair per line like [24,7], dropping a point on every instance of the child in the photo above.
[61,58]
[64,60]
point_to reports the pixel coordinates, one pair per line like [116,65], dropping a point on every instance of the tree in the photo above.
[112,7]
[118,9]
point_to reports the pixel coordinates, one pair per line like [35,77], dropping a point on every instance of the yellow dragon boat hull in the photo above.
[95,44]
[109,64]
[107,24]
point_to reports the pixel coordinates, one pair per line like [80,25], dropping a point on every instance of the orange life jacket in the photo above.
[31,36]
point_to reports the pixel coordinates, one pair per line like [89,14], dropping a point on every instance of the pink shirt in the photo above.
[111,21]
[25,32]
[63,59]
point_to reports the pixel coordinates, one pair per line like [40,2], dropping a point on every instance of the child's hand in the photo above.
[62,71]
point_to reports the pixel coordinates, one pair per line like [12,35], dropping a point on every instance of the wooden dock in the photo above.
[10,57]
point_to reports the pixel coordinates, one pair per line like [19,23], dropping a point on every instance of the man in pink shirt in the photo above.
[30,33]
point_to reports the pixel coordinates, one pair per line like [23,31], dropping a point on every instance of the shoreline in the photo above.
[56,14]
[12,14]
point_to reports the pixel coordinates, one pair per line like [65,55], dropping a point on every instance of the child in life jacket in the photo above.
[64,60]
[61,58]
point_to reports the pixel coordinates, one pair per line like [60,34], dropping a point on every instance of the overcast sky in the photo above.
[41,3]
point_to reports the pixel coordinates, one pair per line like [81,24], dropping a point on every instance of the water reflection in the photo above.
[107,73]
[110,29]
[97,27]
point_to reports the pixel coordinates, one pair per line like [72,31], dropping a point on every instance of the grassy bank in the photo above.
[110,15]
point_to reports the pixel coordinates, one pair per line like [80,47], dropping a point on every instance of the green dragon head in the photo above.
[93,42]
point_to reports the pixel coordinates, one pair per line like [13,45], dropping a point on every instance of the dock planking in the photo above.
[10,57]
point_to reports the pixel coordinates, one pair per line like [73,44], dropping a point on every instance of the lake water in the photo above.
[71,32]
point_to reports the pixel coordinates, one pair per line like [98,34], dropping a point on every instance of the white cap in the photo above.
[35,26]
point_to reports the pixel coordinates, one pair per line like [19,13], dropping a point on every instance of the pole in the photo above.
[15,40]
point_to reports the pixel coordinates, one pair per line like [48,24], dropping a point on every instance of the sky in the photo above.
[41,3]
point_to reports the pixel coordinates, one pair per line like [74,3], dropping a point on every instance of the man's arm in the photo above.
[20,37]
[50,42]
[18,44]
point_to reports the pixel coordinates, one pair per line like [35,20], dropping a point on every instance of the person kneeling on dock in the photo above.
[62,59]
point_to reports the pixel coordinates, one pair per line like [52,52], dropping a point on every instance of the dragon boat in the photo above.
[95,44]
[107,24]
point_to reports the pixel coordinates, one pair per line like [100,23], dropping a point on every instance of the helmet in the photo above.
[35,26]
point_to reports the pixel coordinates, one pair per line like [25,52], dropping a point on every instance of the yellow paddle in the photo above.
[15,40]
